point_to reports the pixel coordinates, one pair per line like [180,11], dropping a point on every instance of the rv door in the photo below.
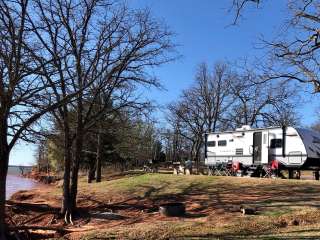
[257,147]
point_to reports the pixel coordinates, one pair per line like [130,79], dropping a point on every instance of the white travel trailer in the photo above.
[288,147]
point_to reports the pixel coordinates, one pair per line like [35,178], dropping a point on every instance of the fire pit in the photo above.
[176,209]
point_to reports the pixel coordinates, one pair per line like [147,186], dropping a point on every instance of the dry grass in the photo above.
[285,207]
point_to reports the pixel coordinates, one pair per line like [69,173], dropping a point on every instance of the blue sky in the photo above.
[204,34]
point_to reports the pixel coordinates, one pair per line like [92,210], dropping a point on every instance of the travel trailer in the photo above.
[263,150]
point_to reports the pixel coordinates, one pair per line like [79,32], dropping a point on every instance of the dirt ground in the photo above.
[126,207]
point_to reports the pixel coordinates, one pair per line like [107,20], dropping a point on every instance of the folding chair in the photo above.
[219,170]
[229,169]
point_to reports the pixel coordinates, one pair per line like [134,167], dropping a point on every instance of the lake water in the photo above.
[16,183]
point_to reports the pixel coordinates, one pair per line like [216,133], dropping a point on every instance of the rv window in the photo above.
[211,143]
[276,143]
[222,143]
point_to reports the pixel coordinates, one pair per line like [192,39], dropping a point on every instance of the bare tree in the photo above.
[227,98]
[261,103]
[191,121]
[238,7]
[202,107]
[23,94]
[214,90]
[102,51]
[176,146]
[294,55]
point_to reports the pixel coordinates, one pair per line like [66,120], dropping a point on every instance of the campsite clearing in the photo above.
[125,206]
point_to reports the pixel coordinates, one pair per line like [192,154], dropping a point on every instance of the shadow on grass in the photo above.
[222,197]
[205,197]
[214,198]
[226,196]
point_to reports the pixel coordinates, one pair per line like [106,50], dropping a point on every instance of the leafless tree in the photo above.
[214,90]
[192,121]
[238,7]
[176,137]
[261,104]
[202,107]
[23,94]
[226,98]
[101,51]
[294,55]
[18,87]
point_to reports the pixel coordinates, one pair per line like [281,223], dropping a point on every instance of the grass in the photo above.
[286,209]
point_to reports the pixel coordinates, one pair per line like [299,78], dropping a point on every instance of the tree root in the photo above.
[33,219]
[68,218]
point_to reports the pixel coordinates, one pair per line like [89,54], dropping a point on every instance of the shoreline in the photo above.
[33,209]
[16,183]
[42,177]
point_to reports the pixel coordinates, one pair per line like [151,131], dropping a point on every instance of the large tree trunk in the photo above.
[74,175]
[65,208]
[3,177]
[4,162]
[99,156]
[77,156]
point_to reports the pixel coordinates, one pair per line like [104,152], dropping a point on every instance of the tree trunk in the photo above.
[75,171]
[3,177]
[175,147]
[197,157]
[67,167]
[192,150]
[77,156]
[91,170]
[99,155]
[4,162]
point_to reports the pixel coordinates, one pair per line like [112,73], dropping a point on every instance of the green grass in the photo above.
[156,184]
